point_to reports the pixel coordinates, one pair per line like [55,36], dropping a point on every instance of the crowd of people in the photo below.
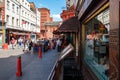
[21,42]
[48,44]
[62,42]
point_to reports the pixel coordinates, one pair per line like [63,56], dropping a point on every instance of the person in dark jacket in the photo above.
[30,45]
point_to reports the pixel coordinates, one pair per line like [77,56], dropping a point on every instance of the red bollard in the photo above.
[19,70]
[39,52]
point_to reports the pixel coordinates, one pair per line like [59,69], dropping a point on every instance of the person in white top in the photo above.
[20,42]
[59,42]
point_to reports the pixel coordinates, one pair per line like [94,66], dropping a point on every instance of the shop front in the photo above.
[96,44]
[67,67]
[99,39]
[69,29]
[16,34]
[2,34]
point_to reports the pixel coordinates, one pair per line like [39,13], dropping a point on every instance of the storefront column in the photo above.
[114,53]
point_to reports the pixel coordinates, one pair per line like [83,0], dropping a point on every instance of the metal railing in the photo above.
[53,72]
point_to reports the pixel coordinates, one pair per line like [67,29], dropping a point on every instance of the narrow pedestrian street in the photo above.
[33,67]
[59,40]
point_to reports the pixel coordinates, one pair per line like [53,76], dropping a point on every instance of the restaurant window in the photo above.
[97,44]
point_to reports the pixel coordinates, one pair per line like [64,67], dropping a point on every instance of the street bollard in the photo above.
[19,70]
[39,52]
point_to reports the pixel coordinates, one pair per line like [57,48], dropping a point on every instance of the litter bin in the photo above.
[5,46]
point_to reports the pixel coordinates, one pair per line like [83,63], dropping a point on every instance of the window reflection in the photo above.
[97,43]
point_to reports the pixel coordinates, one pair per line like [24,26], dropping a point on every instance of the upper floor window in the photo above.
[25,13]
[12,21]
[17,22]
[17,10]
[22,12]
[13,7]
[7,19]
[8,4]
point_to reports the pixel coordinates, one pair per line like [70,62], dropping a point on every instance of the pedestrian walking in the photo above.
[20,42]
[59,42]
[30,45]
[13,43]
[54,43]
[26,44]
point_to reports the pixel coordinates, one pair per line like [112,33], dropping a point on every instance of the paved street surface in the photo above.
[33,68]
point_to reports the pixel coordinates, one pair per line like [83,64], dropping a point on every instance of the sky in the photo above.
[55,7]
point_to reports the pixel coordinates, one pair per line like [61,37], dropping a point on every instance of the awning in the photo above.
[70,25]
[18,33]
[55,32]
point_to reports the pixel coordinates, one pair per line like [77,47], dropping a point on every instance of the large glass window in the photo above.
[97,44]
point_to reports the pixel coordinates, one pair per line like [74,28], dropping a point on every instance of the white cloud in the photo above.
[56,17]
[41,5]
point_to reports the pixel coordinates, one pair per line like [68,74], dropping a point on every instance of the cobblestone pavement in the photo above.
[33,68]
